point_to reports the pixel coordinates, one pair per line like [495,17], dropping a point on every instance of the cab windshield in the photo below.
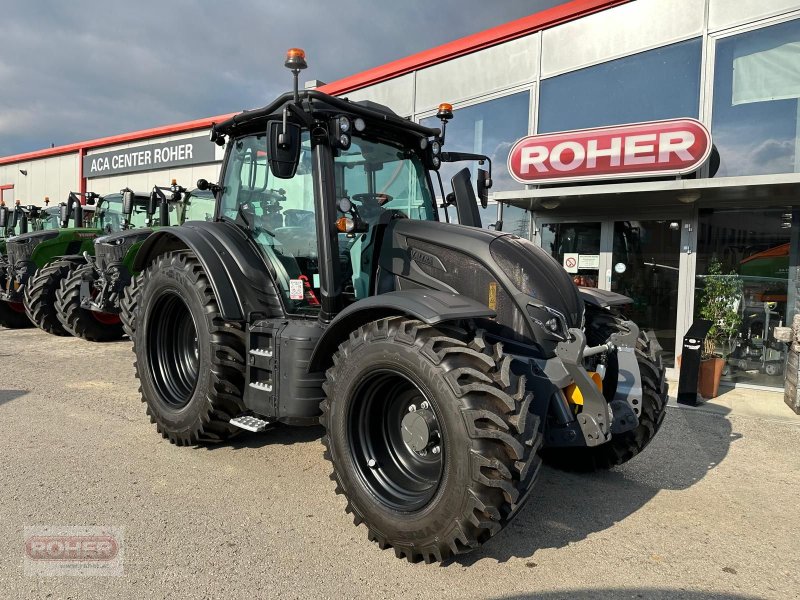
[108,214]
[199,205]
[380,178]
[50,218]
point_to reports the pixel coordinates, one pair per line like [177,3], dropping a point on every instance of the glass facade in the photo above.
[756,108]
[489,128]
[517,221]
[754,250]
[657,84]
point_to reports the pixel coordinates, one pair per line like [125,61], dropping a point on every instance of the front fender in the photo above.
[430,306]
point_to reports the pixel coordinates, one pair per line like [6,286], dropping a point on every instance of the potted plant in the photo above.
[720,305]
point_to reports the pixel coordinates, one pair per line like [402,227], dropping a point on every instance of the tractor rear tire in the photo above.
[622,447]
[40,296]
[189,361]
[473,412]
[129,304]
[12,316]
[80,322]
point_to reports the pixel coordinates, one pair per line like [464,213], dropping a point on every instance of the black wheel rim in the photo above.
[402,477]
[172,350]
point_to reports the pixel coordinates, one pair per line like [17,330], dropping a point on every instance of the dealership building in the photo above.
[609,68]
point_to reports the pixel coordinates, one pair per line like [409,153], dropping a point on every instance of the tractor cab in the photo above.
[376,178]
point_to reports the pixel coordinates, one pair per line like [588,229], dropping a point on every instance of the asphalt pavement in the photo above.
[709,510]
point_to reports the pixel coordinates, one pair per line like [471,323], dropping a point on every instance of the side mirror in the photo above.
[152,204]
[466,203]
[202,184]
[127,204]
[79,215]
[20,221]
[63,209]
[483,184]
[163,214]
[283,157]
[3,217]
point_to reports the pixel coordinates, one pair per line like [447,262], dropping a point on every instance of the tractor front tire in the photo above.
[189,361]
[431,436]
[624,446]
[40,296]
[80,322]
[129,304]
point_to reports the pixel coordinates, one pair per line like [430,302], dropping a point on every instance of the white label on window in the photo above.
[589,261]
[316,280]
[296,289]
[571,262]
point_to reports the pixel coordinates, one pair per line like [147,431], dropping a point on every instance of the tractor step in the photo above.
[250,423]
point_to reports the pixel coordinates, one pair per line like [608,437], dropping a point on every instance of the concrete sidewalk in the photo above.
[742,402]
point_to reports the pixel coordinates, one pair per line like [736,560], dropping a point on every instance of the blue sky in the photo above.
[82,69]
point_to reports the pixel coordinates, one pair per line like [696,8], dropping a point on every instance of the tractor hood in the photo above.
[112,249]
[535,299]
[20,247]
[128,237]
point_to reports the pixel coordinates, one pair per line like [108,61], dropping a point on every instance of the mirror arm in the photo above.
[282,136]
[301,114]
[459,156]
[444,200]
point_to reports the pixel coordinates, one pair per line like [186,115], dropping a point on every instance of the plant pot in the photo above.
[710,374]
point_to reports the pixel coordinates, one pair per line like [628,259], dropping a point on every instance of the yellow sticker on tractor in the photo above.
[493,295]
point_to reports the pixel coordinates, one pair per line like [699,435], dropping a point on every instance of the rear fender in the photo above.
[242,281]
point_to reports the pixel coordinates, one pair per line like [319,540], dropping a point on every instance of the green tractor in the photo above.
[20,220]
[96,301]
[37,261]
[444,361]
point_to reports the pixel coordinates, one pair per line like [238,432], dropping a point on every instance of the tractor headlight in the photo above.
[551,321]
[344,124]
[436,147]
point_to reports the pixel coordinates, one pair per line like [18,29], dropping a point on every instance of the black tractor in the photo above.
[444,361]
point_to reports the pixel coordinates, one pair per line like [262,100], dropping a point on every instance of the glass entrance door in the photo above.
[637,258]
[645,265]
[577,247]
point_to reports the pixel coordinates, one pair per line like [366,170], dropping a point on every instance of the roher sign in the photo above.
[175,153]
[672,147]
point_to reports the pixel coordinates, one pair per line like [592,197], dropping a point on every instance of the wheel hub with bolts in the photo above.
[420,430]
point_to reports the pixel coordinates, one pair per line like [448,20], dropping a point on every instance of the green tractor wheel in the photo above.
[86,324]
[40,296]
[128,305]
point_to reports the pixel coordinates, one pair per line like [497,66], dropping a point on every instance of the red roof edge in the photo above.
[117,139]
[550,17]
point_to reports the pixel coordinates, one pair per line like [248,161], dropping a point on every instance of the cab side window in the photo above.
[280,214]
